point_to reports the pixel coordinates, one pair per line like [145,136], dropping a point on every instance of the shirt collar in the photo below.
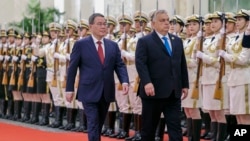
[160,35]
[95,40]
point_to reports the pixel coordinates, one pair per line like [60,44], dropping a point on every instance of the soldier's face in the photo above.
[3,39]
[26,41]
[216,25]
[194,27]
[18,42]
[241,23]
[138,26]
[207,28]
[82,32]
[111,28]
[45,40]
[230,27]
[175,28]
[53,34]
[161,23]
[11,39]
[125,26]
[70,32]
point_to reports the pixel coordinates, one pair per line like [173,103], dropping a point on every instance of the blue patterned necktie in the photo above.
[167,45]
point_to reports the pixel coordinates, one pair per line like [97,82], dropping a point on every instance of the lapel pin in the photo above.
[172,38]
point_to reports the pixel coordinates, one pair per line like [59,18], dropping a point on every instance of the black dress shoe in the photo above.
[109,132]
[158,139]
[115,134]
[69,126]
[123,135]
[137,137]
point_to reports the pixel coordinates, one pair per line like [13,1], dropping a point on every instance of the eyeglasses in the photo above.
[100,24]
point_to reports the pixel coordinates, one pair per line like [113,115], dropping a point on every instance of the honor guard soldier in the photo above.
[32,83]
[212,99]
[3,51]
[64,49]
[125,23]
[192,103]
[53,76]
[18,100]
[83,28]
[109,124]
[148,29]
[23,76]
[237,58]
[8,68]
[111,23]
[39,59]
[62,36]
[134,101]
[208,34]
[132,32]
[176,26]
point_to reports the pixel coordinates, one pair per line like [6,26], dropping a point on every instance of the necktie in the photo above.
[100,51]
[167,45]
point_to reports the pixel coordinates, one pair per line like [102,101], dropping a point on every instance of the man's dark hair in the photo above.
[93,16]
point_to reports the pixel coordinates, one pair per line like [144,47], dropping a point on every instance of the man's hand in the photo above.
[125,88]
[149,89]
[184,93]
[69,96]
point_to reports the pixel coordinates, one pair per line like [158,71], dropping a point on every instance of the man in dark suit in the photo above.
[97,58]
[161,65]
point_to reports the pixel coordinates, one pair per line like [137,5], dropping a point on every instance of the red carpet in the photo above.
[12,132]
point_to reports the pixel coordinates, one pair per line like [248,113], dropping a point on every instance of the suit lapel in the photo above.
[107,51]
[159,42]
[172,40]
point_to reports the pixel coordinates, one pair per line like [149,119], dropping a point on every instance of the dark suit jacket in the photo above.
[245,41]
[95,79]
[156,66]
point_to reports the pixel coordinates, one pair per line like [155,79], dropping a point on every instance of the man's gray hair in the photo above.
[157,12]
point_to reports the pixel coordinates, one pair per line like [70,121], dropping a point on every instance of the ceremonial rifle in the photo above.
[195,92]
[218,93]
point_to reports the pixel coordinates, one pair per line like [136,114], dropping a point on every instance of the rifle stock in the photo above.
[22,67]
[195,92]
[6,69]
[31,76]
[67,64]
[136,86]
[13,76]
[56,64]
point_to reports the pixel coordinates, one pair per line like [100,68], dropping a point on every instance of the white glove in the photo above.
[222,31]
[222,53]
[66,41]
[23,57]
[1,57]
[108,36]
[199,34]
[14,58]
[199,54]
[68,56]
[33,58]
[123,36]
[57,55]
[6,57]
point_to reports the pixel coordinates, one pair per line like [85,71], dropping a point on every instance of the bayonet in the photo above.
[141,19]
[157,4]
